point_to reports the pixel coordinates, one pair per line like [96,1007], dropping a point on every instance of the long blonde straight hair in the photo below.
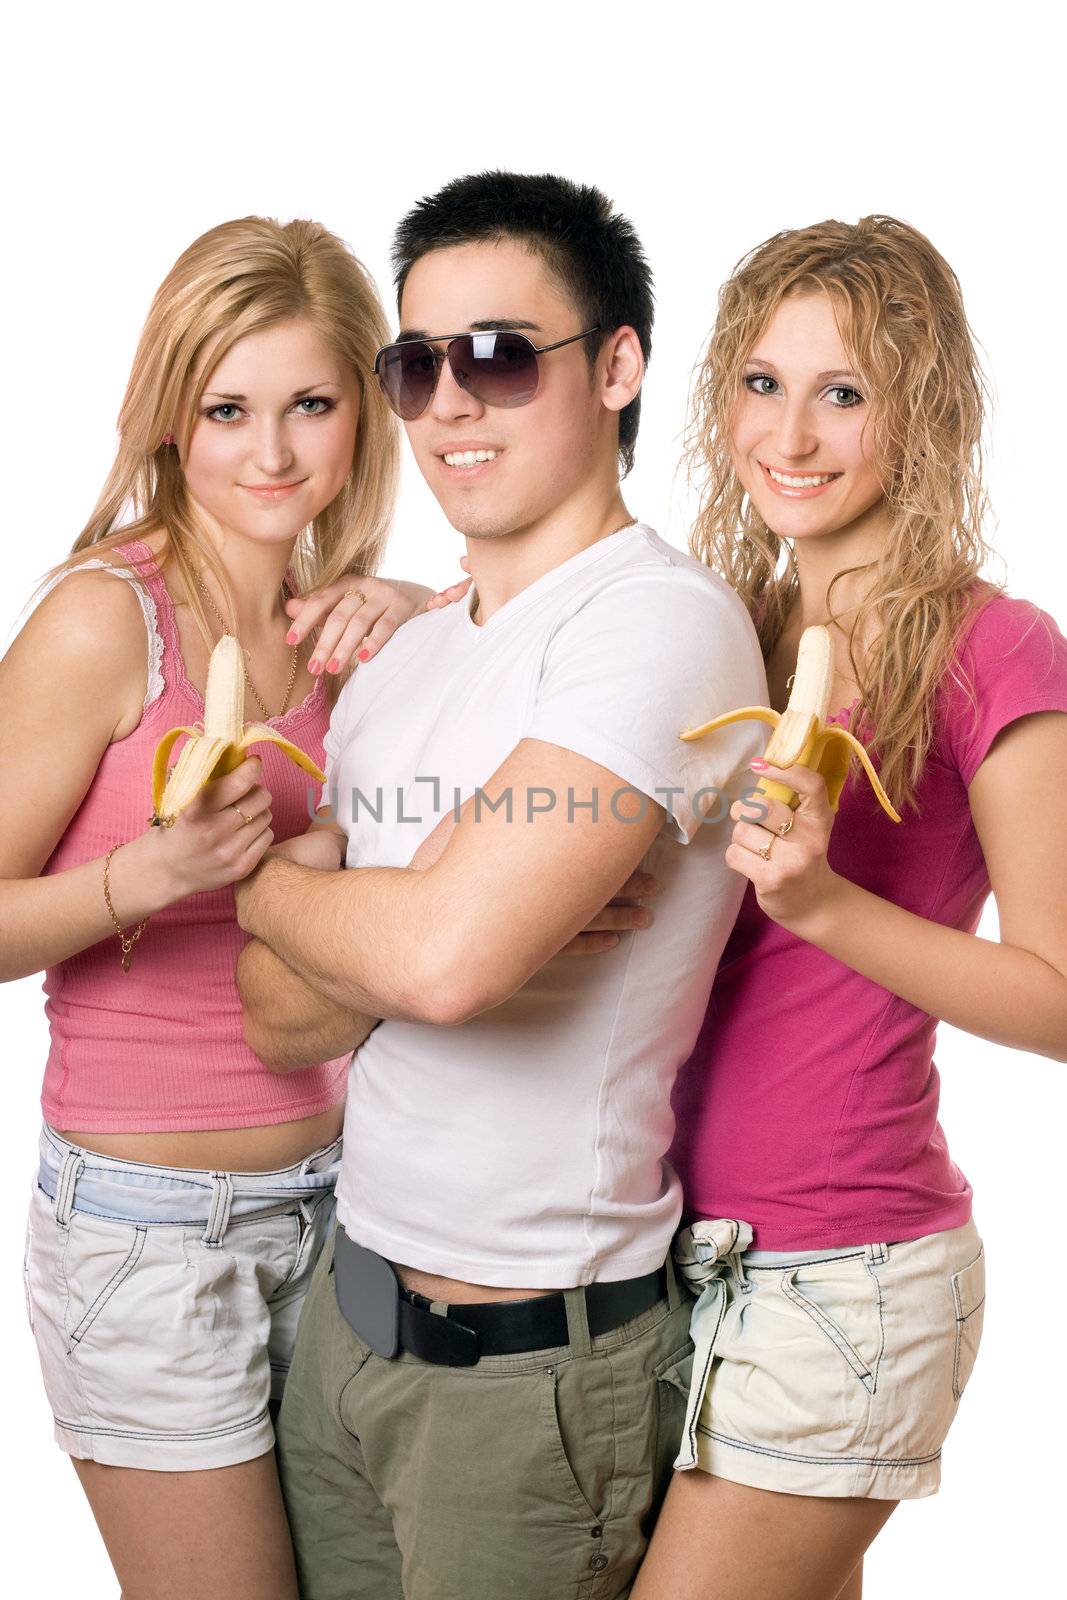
[235,279]
[900,312]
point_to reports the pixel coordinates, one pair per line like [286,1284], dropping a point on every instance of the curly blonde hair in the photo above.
[900,313]
[238,278]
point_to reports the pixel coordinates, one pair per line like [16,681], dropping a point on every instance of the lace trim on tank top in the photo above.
[156,681]
[305,708]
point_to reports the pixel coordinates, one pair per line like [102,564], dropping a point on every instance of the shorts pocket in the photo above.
[100,1258]
[829,1328]
[968,1293]
[26,1267]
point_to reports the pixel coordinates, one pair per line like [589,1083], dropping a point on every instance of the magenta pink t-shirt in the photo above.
[808,1107]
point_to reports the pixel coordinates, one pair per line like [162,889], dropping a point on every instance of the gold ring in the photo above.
[362,596]
[766,850]
[241,814]
[785,827]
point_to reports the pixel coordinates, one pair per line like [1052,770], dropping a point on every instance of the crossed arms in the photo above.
[447,937]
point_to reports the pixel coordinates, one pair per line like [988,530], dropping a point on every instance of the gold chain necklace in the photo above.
[244,668]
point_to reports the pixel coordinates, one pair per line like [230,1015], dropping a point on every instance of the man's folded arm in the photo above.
[288,1023]
[444,944]
[517,882]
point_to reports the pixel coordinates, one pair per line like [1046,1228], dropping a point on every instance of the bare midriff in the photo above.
[282,1144]
[456,1291]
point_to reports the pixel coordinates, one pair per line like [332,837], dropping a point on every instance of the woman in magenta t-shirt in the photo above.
[830,1241]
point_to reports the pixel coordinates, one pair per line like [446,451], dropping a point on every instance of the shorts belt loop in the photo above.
[219,1216]
[69,1173]
[876,1255]
[577,1322]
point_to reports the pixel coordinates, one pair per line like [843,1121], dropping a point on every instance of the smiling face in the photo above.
[497,470]
[273,437]
[800,440]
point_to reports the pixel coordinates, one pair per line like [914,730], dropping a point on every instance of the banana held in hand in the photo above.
[221,744]
[802,737]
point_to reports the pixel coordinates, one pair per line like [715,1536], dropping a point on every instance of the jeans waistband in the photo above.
[139,1192]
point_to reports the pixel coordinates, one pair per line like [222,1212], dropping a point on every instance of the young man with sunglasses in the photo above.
[491,1371]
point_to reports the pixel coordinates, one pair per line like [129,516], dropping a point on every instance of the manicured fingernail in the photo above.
[314,666]
[333,664]
[291,636]
[759,764]
[364,655]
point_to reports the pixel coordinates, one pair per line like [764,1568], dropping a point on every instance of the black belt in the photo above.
[461,1334]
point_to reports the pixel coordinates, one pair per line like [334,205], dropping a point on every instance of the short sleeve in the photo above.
[332,743]
[644,658]
[1014,660]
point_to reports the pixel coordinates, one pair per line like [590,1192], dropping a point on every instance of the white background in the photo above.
[129,130]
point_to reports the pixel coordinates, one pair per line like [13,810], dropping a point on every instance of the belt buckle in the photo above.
[442,1340]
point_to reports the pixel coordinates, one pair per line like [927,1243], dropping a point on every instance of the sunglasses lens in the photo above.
[499,369]
[407,374]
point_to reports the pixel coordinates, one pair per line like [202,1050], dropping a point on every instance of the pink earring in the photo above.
[168,438]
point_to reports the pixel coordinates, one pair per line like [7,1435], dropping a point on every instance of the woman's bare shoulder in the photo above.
[85,638]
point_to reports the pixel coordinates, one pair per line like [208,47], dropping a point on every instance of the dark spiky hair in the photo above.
[592,250]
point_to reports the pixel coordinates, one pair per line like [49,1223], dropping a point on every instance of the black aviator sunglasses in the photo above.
[497,368]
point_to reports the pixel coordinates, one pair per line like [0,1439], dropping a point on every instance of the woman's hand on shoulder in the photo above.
[454,592]
[357,615]
[795,881]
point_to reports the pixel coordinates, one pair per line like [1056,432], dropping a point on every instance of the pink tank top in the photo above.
[160,1048]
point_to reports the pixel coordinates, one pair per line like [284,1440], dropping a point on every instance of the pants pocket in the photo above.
[674,1377]
[563,1442]
[968,1293]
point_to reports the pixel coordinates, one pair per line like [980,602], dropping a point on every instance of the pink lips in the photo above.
[273,491]
[797,494]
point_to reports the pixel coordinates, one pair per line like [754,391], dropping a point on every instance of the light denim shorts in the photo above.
[164,1300]
[829,1372]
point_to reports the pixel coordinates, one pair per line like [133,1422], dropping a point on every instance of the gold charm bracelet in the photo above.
[128,940]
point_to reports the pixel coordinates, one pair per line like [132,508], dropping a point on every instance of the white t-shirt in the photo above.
[525,1148]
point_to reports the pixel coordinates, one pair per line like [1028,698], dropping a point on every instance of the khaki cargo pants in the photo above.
[532,1477]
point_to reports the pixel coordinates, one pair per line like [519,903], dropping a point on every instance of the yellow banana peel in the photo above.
[219,744]
[802,736]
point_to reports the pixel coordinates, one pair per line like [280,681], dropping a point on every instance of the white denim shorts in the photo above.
[164,1300]
[829,1372]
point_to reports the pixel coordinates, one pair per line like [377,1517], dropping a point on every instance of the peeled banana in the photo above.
[219,744]
[802,736]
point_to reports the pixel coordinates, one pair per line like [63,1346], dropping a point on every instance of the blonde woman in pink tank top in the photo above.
[184,1188]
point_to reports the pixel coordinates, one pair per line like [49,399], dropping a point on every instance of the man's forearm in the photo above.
[363,938]
[286,1021]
